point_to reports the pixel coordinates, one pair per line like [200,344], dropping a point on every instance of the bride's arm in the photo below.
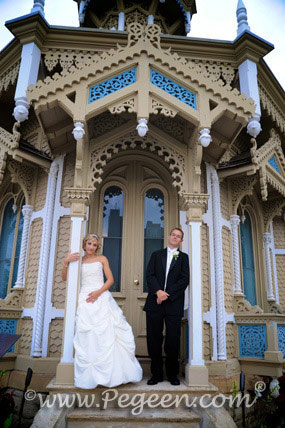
[109,282]
[72,257]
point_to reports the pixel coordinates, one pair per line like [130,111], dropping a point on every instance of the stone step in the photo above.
[132,389]
[149,418]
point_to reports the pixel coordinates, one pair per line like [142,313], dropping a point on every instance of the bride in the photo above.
[104,342]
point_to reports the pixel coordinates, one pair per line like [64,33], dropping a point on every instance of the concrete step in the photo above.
[149,418]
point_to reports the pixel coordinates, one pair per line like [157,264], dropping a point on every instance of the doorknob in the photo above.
[136,282]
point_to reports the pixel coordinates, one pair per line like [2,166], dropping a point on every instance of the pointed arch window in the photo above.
[113,231]
[248,265]
[10,244]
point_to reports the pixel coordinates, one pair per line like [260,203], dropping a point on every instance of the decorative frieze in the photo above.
[271,209]
[252,340]
[9,77]
[128,106]
[269,105]
[112,85]
[281,338]
[100,156]
[242,306]
[240,187]
[173,88]
[12,301]
[159,107]
[146,39]
[216,70]
[24,175]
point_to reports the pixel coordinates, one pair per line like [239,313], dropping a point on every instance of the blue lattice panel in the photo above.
[281,338]
[173,88]
[112,85]
[8,326]
[252,340]
[272,162]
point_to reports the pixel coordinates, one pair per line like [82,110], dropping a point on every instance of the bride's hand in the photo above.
[93,296]
[72,257]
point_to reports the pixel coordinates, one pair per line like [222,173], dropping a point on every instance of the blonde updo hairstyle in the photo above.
[91,236]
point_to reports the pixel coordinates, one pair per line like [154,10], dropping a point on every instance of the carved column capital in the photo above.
[79,199]
[27,210]
[193,203]
[235,220]
[266,238]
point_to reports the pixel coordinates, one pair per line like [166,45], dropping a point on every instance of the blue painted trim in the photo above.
[252,340]
[182,10]
[173,88]
[86,6]
[281,338]
[272,162]
[8,326]
[112,85]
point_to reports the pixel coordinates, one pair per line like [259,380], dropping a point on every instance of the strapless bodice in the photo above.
[92,277]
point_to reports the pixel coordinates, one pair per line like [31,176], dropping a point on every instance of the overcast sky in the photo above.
[215,19]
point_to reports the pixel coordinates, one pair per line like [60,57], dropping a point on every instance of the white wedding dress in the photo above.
[104,342]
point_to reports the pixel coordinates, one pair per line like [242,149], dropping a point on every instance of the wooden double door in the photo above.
[133,210]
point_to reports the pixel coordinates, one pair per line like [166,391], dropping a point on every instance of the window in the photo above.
[113,231]
[248,269]
[153,225]
[10,245]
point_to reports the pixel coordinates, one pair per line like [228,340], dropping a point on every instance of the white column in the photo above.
[266,243]
[28,74]
[72,290]
[196,295]
[121,21]
[235,221]
[219,274]
[196,373]
[274,264]
[248,83]
[27,211]
[150,19]
[44,262]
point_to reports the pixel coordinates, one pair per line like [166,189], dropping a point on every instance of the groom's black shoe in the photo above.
[154,380]
[174,381]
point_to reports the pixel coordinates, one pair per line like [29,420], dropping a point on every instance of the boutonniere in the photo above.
[176,255]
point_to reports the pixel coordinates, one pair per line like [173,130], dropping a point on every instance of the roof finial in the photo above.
[39,6]
[241,14]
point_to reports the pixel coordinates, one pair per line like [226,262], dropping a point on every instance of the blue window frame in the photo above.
[10,244]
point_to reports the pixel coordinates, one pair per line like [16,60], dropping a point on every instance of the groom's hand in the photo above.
[161,296]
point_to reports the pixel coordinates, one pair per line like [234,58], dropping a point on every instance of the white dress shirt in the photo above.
[170,252]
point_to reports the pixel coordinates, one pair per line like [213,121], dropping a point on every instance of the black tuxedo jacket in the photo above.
[177,281]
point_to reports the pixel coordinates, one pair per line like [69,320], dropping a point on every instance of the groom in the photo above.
[167,278]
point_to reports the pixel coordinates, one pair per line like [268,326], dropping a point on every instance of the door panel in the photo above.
[137,207]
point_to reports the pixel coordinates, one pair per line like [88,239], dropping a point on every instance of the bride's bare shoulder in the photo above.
[102,259]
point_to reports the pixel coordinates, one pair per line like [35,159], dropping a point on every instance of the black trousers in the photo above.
[155,322]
